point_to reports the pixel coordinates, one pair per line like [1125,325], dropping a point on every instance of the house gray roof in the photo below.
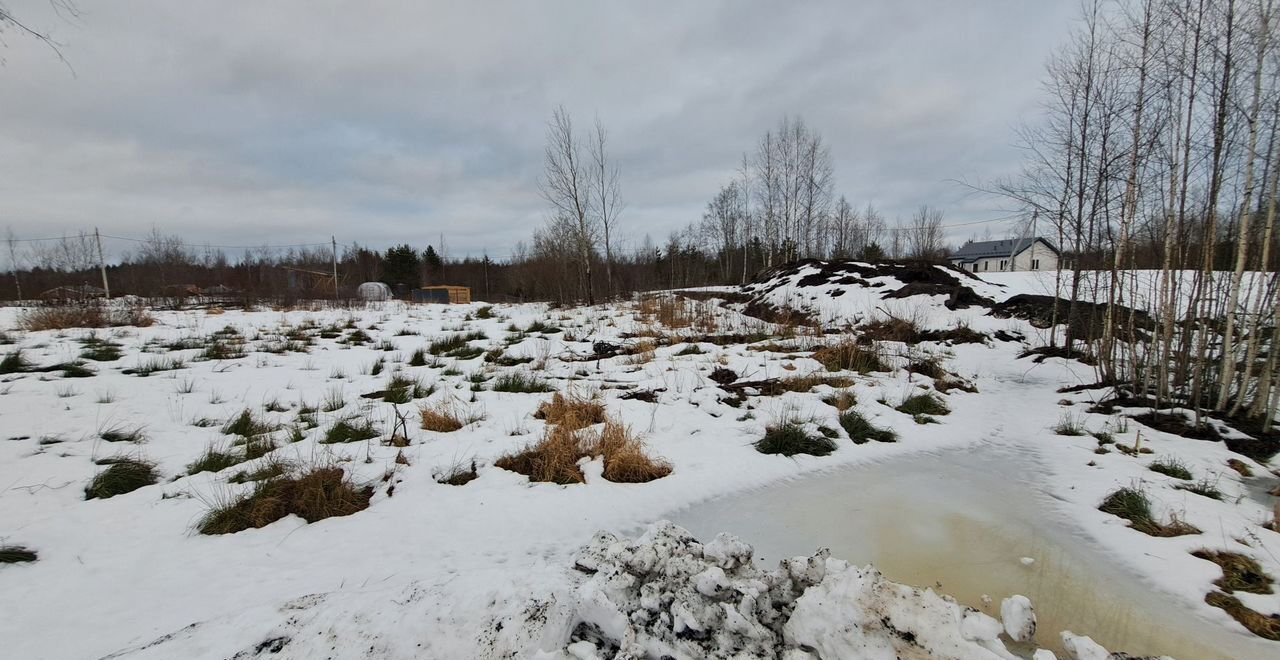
[974,250]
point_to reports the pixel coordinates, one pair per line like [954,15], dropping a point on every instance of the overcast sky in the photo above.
[385,122]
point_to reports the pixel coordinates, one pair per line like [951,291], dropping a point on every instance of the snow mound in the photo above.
[665,594]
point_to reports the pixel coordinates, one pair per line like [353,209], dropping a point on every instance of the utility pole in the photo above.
[102,265]
[334,241]
[486,274]
[13,262]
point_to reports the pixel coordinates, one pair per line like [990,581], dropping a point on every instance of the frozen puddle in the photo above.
[964,522]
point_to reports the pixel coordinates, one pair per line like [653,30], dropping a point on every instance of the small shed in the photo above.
[374,291]
[444,294]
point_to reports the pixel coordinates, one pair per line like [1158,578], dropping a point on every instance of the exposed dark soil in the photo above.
[1084,320]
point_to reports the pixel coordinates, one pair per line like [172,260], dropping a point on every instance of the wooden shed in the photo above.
[444,294]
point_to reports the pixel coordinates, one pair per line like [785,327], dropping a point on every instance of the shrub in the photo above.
[319,494]
[861,430]
[849,356]
[790,438]
[1171,467]
[1239,572]
[521,381]
[573,411]
[923,404]
[13,554]
[1132,505]
[83,315]
[350,429]
[123,476]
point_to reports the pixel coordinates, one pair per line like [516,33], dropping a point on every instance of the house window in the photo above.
[1002,263]
[1035,264]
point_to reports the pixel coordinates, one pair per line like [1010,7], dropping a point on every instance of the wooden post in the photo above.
[102,265]
[334,241]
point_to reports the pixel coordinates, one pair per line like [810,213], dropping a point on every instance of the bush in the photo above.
[849,356]
[923,404]
[790,438]
[1171,467]
[83,315]
[861,430]
[521,382]
[319,494]
[573,411]
[122,476]
[13,554]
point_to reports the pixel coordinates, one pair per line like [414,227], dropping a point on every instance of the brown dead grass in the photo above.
[571,410]
[625,460]
[83,315]
[849,356]
[555,457]
[446,415]
[1267,627]
[316,495]
[1239,572]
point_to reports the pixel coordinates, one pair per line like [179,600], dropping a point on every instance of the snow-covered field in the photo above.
[487,568]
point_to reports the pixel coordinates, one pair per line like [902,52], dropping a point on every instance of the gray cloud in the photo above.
[289,121]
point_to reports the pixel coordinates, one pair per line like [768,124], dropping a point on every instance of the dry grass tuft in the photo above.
[1267,627]
[849,356]
[625,460]
[555,457]
[319,494]
[1239,572]
[83,315]
[446,416]
[573,410]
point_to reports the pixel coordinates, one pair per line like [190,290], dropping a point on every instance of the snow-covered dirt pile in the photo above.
[851,291]
[666,595]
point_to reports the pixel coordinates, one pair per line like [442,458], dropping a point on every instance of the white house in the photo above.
[1006,255]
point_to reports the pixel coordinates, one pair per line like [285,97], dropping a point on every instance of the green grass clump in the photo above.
[123,476]
[246,425]
[1204,487]
[214,460]
[350,429]
[1171,467]
[521,381]
[100,350]
[457,346]
[120,434]
[13,363]
[1069,425]
[13,554]
[151,365]
[402,389]
[543,327]
[1133,505]
[923,404]
[418,359]
[691,349]
[269,470]
[790,438]
[861,430]
[485,312]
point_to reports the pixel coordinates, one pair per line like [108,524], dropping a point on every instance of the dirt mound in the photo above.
[896,279]
[1084,319]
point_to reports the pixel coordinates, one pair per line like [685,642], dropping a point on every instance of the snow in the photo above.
[1019,618]
[486,569]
